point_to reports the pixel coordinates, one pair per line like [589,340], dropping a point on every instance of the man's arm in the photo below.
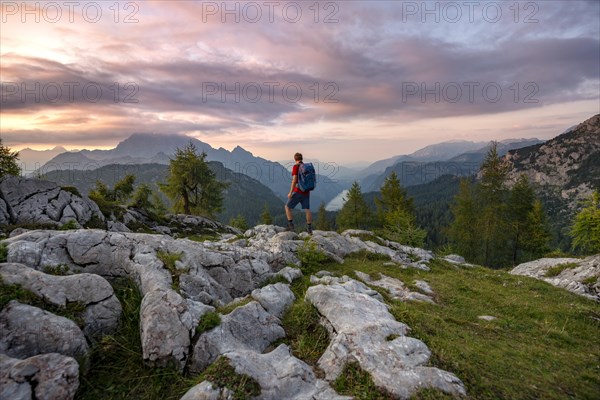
[294,182]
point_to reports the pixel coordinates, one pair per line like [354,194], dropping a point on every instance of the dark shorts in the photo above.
[303,199]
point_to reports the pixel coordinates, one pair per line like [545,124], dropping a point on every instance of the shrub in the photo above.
[208,321]
[3,252]
[72,190]
[71,224]
[311,258]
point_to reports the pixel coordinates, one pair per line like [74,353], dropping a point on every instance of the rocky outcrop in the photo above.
[44,377]
[578,277]
[395,287]
[181,280]
[102,308]
[249,327]
[365,332]
[33,201]
[27,331]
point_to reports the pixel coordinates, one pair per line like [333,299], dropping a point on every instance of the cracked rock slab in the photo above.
[365,332]
[103,309]
[248,327]
[27,331]
[282,376]
[394,287]
[43,377]
[276,299]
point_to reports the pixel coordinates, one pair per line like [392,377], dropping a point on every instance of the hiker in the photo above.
[303,181]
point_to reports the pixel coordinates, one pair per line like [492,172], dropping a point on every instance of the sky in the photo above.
[339,81]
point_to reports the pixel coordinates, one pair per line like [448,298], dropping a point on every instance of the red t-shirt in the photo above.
[295,173]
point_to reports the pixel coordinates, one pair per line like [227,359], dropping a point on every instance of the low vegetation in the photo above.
[558,269]
[222,374]
[169,260]
[208,321]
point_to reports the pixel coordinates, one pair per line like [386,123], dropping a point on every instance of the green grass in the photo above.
[3,252]
[543,344]
[222,374]
[116,368]
[72,190]
[590,280]
[60,270]
[169,260]
[557,269]
[208,321]
[357,383]
[226,309]
[72,310]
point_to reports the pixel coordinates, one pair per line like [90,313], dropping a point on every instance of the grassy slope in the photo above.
[543,344]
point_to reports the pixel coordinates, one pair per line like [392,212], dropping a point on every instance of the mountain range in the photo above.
[144,148]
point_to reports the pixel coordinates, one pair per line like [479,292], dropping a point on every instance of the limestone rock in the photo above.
[27,331]
[365,332]
[275,298]
[165,325]
[248,327]
[394,287]
[282,376]
[571,279]
[34,201]
[207,391]
[43,377]
[103,309]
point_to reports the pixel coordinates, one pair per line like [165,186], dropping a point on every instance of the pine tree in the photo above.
[322,223]
[123,189]
[520,205]
[192,185]
[586,228]
[141,198]
[492,197]
[536,235]
[8,161]
[395,212]
[355,213]
[393,197]
[265,217]
[463,232]
[239,222]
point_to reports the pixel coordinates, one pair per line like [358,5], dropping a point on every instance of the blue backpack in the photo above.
[307,177]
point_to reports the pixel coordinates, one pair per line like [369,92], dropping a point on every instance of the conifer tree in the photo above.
[492,197]
[191,185]
[520,205]
[355,213]
[265,217]
[322,223]
[586,228]
[393,197]
[8,161]
[463,232]
[536,237]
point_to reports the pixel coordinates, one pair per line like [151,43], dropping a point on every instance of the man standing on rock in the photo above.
[296,195]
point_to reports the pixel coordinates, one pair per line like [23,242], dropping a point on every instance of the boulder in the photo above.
[248,327]
[102,308]
[365,332]
[42,377]
[282,376]
[276,299]
[34,201]
[394,287]
[576,280]
[27,331]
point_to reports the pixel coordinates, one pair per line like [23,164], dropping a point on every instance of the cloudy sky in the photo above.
[341,81]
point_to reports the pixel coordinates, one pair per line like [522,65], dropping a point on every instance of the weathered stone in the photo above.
[394,287]
[42,377]
[247,327]
[165,326]
[570,278]
[207,391]
[275,298]
[282,376]
[103,309]
[365,332]
[487,317]
[34,201]
[290,274]
[27,331]
[455,258]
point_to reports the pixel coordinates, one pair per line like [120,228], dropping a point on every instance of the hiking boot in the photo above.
[290,227]
[309,229]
